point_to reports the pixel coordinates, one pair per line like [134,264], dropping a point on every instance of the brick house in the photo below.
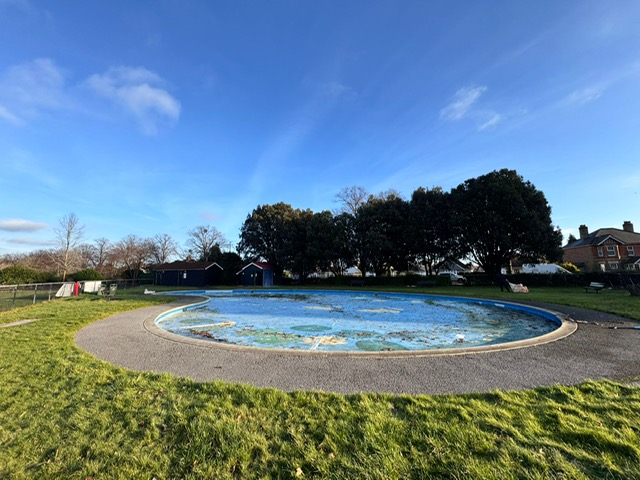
[605,250]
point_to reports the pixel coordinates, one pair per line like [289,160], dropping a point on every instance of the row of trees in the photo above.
[491,219]
[126,257]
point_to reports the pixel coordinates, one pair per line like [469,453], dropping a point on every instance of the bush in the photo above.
[87,274]
[49,277]
[570,266]
[19,274]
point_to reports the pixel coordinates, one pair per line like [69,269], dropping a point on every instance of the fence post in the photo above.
[50,287]
[15,290]
[35,290]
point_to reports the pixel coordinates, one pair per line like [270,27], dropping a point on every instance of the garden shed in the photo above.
[256,274]
[192,274]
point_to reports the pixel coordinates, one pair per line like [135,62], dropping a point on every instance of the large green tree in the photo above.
[231,263]
[264,235]
[501,216]
[340,246]
[381,226]
[297,240]
[433,236]
[321,241]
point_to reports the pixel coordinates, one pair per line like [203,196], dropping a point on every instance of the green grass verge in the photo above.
[66,414]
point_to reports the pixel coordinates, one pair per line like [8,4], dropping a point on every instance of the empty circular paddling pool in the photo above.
[356,322]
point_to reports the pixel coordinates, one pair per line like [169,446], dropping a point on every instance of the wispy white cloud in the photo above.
[39,83]
[21,165]
[584,95]
[280,149]
[23,5]
[464,105]
[462,102]
[494,119]
[10,117]
[139,91]
[28,89]
[21,225]
[596,87]
[324,97]
[31,242]
[336,90]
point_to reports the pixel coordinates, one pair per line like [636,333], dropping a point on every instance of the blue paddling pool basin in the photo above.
[329,321]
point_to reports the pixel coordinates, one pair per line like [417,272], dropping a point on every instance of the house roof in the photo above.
[186,266]
[457,263]
[260,265]
[599,236]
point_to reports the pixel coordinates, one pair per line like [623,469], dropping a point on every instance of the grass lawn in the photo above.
[20,298]
[65,414]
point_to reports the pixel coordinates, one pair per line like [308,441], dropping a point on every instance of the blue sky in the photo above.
[154,117]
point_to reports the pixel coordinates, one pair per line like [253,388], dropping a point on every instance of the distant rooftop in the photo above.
[624,236]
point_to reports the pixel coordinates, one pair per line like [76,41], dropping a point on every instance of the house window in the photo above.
[603,267]
[630,251]
[613,266]
[600,252]
[611,251]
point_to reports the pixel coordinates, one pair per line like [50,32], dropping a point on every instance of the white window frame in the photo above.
[600,252]
[630,251]
[614,266]
[611,250]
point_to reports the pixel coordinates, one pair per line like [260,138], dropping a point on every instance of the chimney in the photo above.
[627,226]
[584,232]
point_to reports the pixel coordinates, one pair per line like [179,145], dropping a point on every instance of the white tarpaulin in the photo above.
[66,290]
[91,287]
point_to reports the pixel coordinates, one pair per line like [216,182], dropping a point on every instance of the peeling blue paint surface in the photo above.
[355,321]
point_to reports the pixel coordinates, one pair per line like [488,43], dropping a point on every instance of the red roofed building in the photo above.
[256,274]
[605,250]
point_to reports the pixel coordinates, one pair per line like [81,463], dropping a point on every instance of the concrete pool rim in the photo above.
[566,327]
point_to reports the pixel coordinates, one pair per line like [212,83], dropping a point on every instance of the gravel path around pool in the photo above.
[594,351]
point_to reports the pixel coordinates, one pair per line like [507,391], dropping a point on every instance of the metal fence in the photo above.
[13,296]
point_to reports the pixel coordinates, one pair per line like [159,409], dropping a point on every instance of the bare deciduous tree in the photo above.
[102,249]
[87,254]
[163,248]
[131,254]
[69,233]
[351,198]
[95,255]
[203,241]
